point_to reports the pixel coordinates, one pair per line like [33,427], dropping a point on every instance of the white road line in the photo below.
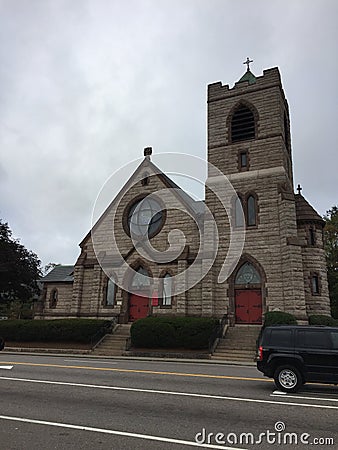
[305,397]
[279,393]
[118,433]
[181,394]
[6,367]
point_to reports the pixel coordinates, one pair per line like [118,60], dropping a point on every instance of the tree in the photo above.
[19,269]
[331,250]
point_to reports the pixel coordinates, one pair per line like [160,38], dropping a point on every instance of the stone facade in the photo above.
[282,266]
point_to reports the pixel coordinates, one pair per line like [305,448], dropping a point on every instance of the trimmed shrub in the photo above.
[319,319]
[279,318]
[61,330]
[172,332]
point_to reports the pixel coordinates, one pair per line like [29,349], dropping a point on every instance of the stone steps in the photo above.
[239,344]
[114,344]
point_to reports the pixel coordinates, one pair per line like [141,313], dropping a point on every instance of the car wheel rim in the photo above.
[287,378]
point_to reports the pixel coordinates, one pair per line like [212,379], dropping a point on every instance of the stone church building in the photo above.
[281,266]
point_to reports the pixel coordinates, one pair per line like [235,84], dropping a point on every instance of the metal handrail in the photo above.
[105,329]
[218,333]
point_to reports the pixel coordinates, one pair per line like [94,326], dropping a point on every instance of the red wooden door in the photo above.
[138,307]
[248,306]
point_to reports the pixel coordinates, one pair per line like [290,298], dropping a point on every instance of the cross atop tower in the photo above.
[299,189]
[248,62]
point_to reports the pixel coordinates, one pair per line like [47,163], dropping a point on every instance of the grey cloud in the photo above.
[86,85]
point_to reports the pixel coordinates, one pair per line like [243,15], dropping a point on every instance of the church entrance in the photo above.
[139,297]
[138,307]
[248,305]
[248,295]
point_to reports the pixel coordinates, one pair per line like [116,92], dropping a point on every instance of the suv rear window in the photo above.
[281,338]
[313,339]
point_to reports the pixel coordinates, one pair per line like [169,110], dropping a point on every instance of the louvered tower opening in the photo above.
[242,124]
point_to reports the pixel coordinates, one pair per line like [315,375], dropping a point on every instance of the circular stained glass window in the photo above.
[145,217]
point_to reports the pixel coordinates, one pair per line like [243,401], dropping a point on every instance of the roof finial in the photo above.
[299,189]
[148,151]
[247,62]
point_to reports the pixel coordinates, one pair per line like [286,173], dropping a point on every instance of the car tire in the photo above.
[288,378]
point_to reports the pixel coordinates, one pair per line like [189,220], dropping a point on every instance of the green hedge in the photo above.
[279,318]
[63,330]
[323,320]
[172,332]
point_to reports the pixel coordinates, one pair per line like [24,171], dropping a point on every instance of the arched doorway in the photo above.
[248,295]
[139,298]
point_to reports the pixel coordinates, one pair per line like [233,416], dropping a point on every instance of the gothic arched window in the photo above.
[247,274]
[166,289]
[111,293]
[239,215]
[251,211]
[242,124]
[141,279]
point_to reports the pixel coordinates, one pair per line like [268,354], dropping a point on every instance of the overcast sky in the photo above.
[86,85]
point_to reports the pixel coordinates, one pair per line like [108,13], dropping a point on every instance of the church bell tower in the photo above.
[249,142]
[248,125]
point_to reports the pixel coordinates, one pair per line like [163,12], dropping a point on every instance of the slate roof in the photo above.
[305,212]
[59,274]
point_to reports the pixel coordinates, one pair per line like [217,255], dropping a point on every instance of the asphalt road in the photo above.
[82,403]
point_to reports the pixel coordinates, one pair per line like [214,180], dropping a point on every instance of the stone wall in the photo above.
[63,305]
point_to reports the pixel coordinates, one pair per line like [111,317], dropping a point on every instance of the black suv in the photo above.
[294,355]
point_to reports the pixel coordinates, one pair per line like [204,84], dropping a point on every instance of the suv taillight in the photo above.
[260,353]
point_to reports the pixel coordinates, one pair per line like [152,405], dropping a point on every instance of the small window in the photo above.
[239,214]
[145,179]
[315,285]
[242,124]
[312,236]
[166,290]
[53,299]
[243,160]
[251,211]
[313,339]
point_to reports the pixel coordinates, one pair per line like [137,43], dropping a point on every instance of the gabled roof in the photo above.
[59,274]
[305,212]
[196,207]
